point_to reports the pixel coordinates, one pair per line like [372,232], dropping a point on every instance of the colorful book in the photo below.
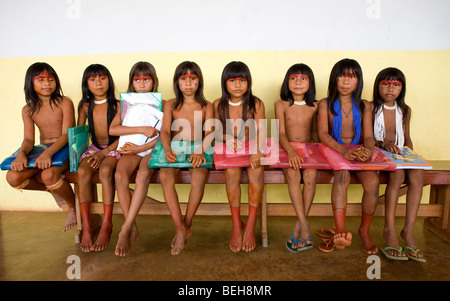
[408,159]
[378,161]
[312,157]
[183,150]
[226,158]
[58,159]
[141,114]
[78,138]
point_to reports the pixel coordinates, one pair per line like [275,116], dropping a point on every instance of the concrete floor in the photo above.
[33,247]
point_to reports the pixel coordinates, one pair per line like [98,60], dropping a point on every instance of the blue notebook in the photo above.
[58,159]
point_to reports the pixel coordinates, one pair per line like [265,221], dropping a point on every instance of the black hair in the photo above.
[31,96]
[144,68]
[310,95]
[183,69]
[390,73]
[233,70]
[342,67]
[88,98]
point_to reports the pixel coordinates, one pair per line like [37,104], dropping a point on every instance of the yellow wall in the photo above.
[426,74]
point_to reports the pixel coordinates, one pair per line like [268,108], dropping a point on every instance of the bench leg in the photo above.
[440,194]
[264,236]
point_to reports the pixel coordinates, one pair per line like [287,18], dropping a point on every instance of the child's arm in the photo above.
[294,159]
[324,135]
[82,114]
[408,141]
[314,132]
[198,157]
[45,159]
[116,129]
[166,132]
[260,113]
[21,161]
[369,141]
[133,149]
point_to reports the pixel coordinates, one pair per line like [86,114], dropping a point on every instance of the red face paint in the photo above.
[298,76]
[142,77]
[97,77]
[347,76]
[394,83]
[237,79]
[44,74]
[190,76]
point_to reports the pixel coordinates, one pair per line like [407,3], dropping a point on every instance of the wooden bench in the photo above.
[437,210]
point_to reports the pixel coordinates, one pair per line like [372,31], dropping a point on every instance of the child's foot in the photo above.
[103,238]
[410,245]
[125,241]
[249,241]
[342,240]
[71,220]
[236,238]
[86,240]
[368,246]
[180,241]
[393,247]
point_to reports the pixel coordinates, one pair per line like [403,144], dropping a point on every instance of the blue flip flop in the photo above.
[296,250]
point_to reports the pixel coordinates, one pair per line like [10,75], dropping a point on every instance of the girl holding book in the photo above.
[392,132]
[142,79]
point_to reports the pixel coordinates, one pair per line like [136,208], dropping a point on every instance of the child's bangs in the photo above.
[299,69]
[237,73]
[96,71]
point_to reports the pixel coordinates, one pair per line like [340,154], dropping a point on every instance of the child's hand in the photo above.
[43,161]
[96,159]
[150,132]
[349,153]
[255,160]
[392,148]
[197,160]
[294,159]
[171,157]
[129,149]
[20,163]
[363,154]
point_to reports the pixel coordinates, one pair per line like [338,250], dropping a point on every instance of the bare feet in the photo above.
[180,241]
[103,238]
[249,241]
[236,238]
[126,240]
[368,246]
[342,240]
[71,220]
[86,240]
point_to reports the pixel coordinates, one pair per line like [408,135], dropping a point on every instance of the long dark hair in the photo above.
[183,69]
[310,95]
[31,96]
[390,73]
[342,67]
[234,70]
[144,68]
[88,98]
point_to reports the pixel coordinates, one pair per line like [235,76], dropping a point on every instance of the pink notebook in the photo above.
[379,161]
[312,157]
[225,158]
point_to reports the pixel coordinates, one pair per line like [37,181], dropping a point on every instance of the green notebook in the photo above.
[183,150]
[78,143]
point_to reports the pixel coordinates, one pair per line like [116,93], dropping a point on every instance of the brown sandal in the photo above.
[327,245]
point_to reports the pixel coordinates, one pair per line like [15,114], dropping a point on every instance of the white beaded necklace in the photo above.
[99,102]
[234,104]
[299,103]
[390,108]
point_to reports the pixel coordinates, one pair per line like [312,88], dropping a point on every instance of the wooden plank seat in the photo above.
[437,210]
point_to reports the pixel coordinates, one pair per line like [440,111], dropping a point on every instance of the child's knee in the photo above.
[342,177]
[106,173]
[50,176]
[15,180]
